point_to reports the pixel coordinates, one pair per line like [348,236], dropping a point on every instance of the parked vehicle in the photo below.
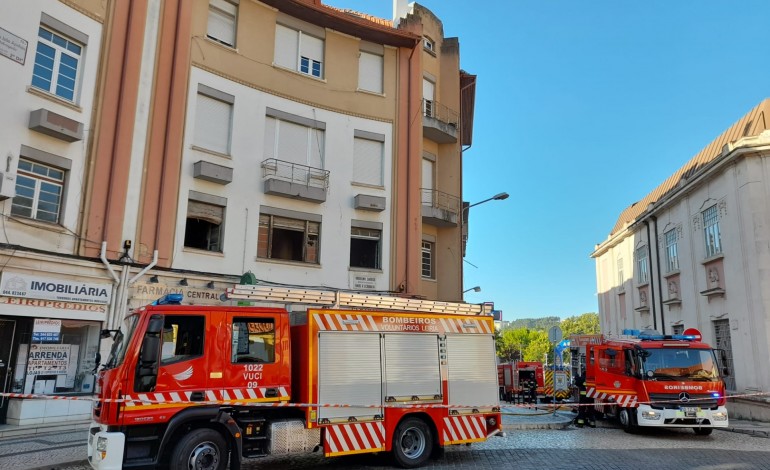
[657,380]
[193,387]
[513,378]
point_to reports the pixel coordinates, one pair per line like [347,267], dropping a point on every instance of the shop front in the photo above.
[49,338]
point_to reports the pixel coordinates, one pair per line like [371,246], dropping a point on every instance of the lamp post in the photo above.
[474,289]
[464,224]
[496,197]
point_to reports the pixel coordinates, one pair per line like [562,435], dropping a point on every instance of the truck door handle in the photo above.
[196,396]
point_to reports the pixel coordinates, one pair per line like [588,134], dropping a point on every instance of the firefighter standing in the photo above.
[585,404]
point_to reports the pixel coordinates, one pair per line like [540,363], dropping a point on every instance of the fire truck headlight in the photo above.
[101,444]
[651,415]
[719,416]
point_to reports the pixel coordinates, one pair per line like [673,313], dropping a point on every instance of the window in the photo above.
[213,120]
[711,231]
[428,95]
[428,44]
[222,21]
[182,338]
[39,191]
[427,259]
[288,239]
[295,141]
[370,69]
[365,246]
[205,221]
[621,276]
[672,251]
[297,50]
[642,272]
[57,62]
[253,340]
[367,161]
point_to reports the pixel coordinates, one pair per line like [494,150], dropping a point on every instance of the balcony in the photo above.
[440,209]
[295,181]
[439,123]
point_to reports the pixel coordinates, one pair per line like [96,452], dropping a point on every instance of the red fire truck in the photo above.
[203,387]
[512,377]
[657,380]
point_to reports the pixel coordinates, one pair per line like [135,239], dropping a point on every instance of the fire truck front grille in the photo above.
[671,401]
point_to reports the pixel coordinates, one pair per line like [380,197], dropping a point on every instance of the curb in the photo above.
[56,466]
[750,432]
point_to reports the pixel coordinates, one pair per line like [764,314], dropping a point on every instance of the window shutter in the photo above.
[286,46]
[367,161]
[207,212]
[427,181]
[315,159]
[221,24]
[292,142]
[290,224]
[212,124]
[370,72]
[312,48]
[269,141]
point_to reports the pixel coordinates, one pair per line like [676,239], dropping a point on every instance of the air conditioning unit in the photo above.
[7,185]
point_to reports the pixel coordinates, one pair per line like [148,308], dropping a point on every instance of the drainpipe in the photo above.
[106,262]
[116,286]
[660,285]
[652,287]
[146,268]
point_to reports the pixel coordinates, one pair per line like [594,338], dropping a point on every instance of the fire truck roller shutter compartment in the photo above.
[472,375]
[349,373]
[412,367]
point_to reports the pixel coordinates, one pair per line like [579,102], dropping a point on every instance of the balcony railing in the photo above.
[294,180]
[439,208]
[439,122]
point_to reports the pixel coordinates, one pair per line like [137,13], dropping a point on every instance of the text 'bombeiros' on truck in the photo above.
[649,379]
[204,387]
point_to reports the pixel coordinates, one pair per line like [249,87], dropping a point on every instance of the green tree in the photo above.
[585,324]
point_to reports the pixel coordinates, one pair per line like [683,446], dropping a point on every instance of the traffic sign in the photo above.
[554,334]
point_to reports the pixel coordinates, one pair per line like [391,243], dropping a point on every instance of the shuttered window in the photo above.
[293,143]
[222,21]
[367,161]
[370,72]
[213,123]
[299,51]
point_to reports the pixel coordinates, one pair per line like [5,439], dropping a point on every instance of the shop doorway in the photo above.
[7,336]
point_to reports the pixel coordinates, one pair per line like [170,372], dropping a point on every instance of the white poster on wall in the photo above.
[48,359]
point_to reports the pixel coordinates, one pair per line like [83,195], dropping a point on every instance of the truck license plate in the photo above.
[690,410]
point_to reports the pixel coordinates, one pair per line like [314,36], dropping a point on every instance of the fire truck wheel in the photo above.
[412,443]
[200,449]
[702,431]
[627,419]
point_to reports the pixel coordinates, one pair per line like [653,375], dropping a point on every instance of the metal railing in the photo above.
[438,111]
[295,173]
[440,200]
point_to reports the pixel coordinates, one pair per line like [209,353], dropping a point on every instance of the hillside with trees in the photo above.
[527,339]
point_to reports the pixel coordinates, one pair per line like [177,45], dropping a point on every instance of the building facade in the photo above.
[196,141]
[694,254]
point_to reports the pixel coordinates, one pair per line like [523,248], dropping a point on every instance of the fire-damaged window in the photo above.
[291,239]
[365,247]
[253,340]
[205,221]
[182,338]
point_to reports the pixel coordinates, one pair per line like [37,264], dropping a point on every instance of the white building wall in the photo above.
[740,192]
[19,99]
[245,193]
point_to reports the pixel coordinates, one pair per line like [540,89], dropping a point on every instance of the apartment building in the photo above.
[693,253]
[198,140]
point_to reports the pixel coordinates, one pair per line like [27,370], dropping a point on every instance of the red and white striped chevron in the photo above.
[233,396]
[460,429]
[329,322]
[626,401]
[354,438]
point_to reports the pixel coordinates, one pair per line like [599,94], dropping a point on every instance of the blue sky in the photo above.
[582,108]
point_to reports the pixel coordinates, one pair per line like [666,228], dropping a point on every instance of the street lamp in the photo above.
[496,197]
[474,289]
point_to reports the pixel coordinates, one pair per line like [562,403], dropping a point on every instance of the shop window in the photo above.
[253,340]
[58,363]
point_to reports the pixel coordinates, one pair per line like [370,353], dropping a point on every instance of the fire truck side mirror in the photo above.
[156,325]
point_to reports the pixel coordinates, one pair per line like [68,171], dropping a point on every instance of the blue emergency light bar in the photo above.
[658,337]
[170,299]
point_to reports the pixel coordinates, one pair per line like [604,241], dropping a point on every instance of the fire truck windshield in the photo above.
[680,364]
[120,344]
